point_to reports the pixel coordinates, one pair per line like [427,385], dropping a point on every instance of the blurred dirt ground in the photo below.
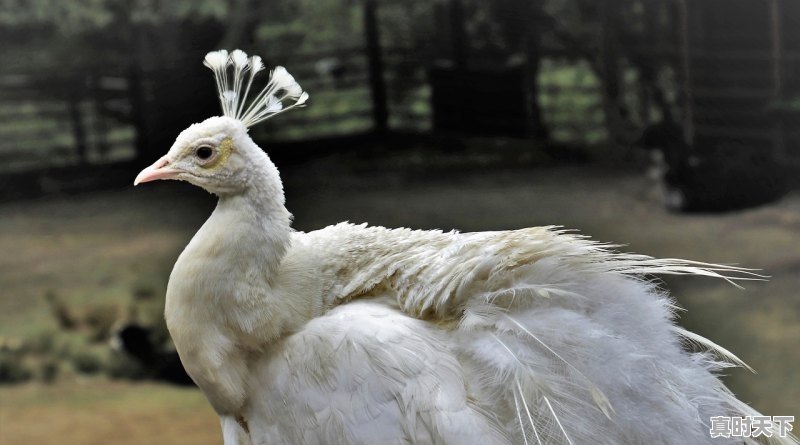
[99,412]
[97,247]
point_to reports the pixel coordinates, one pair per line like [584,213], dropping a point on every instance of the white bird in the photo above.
[368,335]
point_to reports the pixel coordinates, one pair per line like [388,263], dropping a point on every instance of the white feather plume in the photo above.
[234,74]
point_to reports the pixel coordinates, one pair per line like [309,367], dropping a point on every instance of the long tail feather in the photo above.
[555,416]
[712,347]
[528,412]
[597,395]
[519,416]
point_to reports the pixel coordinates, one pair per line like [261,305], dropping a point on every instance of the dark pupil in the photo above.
[204,152]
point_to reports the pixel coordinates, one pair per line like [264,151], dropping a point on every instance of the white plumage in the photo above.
[358,334]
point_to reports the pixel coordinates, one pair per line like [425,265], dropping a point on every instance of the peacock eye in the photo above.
[204,152]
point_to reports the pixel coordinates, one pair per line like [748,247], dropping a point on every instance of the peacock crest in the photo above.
[234,73]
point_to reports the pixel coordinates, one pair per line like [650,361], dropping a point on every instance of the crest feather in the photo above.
[234,73]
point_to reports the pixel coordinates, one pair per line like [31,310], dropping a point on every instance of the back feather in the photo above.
[578,341]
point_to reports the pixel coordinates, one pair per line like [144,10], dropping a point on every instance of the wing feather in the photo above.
[570,339]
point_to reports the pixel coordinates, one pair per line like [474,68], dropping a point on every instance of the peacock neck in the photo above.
[260,221]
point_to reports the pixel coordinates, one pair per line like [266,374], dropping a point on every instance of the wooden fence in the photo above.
[88,119]
[108,114]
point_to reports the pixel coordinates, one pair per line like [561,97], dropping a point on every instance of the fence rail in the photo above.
[102,114]
[90,119]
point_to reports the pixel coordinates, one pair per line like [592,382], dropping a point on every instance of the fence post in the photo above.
[76,119]
[779,143]
[531,12]
[99,127]
[686,73]
[610,69]
[458,34]
[377,84]
[138,116]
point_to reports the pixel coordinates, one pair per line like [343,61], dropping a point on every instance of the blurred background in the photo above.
[669,126]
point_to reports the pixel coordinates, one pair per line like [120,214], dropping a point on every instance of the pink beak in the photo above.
[159,170]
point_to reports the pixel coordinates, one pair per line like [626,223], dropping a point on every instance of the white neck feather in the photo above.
[261,217]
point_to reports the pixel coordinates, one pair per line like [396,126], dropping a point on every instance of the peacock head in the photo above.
[218,154]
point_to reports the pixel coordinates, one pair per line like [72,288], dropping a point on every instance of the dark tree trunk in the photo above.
[609,58]
[240,25]
[377,83]
[78,131]
[458,33]
[521,22]
[539,130]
